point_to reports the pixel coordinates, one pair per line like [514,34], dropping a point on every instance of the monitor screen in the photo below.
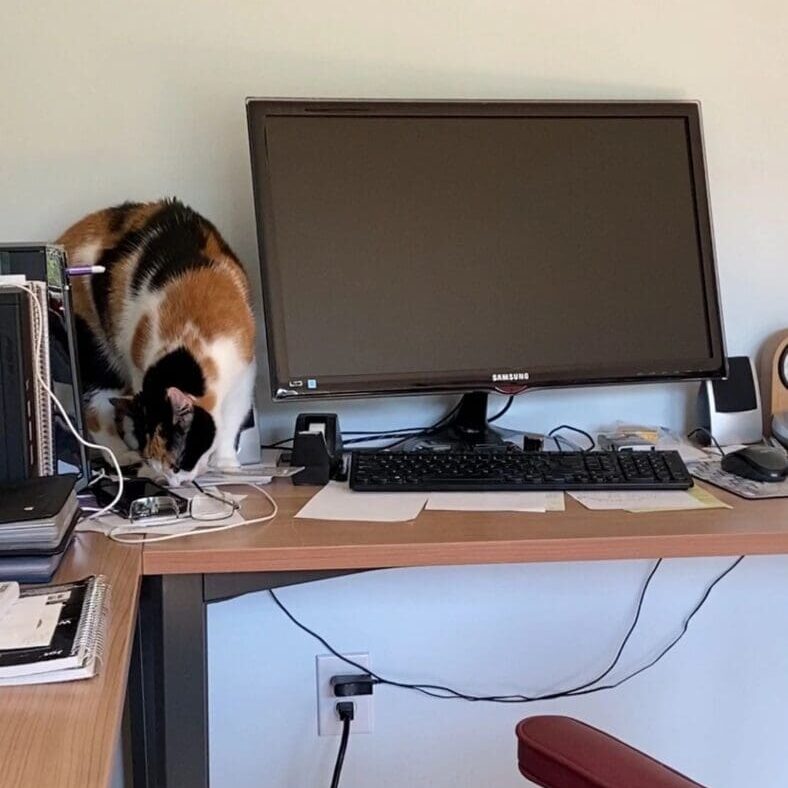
[420,246]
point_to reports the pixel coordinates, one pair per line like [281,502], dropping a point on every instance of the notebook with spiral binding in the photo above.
[76,647]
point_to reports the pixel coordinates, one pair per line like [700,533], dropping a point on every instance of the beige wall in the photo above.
[105,101]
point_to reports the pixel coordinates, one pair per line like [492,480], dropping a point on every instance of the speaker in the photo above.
[774,378]
[730,409]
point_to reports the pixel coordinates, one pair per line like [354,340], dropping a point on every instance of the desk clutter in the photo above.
[37,521]
[52,633]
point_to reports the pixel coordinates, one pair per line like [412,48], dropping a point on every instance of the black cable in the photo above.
[277,444]
[403,433]
[438,425]
[447,693]
[494,698]
[234,505]
[709,435]
[346,718]
[578,431]
[502,410]
[675,640]
[560,439]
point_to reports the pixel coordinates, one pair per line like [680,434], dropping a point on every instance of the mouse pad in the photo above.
[711,471]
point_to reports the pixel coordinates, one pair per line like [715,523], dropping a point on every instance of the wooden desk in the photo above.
[184,576]
[434,538]
[66,735]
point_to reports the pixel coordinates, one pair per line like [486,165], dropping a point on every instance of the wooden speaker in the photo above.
[774,378]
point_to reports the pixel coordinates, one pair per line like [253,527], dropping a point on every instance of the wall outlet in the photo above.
[328,723]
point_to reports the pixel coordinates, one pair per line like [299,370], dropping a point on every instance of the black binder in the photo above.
[17,452]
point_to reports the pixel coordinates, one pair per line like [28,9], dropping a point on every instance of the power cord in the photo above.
[587,688]
[554,434]
[708,434]
[346,711]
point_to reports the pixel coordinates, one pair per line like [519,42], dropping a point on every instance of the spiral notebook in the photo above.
[77,613]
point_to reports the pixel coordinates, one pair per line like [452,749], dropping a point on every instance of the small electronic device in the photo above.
[515,470]
[759,463]
[730,409]
[317,446]
[141,498]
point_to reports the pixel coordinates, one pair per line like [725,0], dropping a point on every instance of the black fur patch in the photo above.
[129,243]
[100,286]
[95,370]
[198,439]
[118,215]
[174,242]
[178,368]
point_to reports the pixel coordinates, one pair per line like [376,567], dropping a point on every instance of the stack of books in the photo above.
[37,521]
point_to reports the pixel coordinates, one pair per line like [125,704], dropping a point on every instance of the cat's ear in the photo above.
[182,408]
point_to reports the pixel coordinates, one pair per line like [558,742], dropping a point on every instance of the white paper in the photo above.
[638,500]
[247,474]
[336,501]
[488,501]
[30,623]
[687,451]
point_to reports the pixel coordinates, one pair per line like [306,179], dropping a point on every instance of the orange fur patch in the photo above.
[210,299]
[92,421]
[206,402]
[140,340]
[157,449]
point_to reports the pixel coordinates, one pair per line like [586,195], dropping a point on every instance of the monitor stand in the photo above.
[467,430]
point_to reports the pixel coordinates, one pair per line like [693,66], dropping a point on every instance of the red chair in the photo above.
[560,752]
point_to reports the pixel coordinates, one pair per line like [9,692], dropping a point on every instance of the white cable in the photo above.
[57,403]
[116,532]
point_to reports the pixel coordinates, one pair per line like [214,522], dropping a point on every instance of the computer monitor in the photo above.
[409,247]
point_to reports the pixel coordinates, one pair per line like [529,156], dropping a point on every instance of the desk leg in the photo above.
[169,685]
[168,680]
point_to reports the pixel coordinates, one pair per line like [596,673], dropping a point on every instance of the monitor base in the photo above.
[467,430]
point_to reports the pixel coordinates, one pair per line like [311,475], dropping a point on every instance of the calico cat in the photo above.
[165,337]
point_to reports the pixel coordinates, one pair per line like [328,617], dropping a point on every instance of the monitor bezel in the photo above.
[285,387]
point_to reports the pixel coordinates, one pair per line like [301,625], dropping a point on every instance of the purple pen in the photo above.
[85,270]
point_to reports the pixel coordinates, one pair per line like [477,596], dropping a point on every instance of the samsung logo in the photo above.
[509,377]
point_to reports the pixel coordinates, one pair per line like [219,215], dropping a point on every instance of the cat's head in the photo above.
[172,434]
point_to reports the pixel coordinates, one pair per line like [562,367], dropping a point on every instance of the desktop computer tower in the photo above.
[34,439]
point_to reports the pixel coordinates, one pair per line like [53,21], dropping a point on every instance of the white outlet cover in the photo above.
[328,722]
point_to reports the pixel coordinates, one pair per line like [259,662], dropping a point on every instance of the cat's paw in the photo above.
[230,461]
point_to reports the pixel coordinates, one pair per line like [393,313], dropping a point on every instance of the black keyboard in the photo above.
[516,470]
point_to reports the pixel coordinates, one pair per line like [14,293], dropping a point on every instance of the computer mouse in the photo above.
[759,463]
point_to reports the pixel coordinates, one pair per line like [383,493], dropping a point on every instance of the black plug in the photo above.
[348,686]
[346,710]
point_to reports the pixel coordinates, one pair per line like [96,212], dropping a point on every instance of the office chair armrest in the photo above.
[561,752]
